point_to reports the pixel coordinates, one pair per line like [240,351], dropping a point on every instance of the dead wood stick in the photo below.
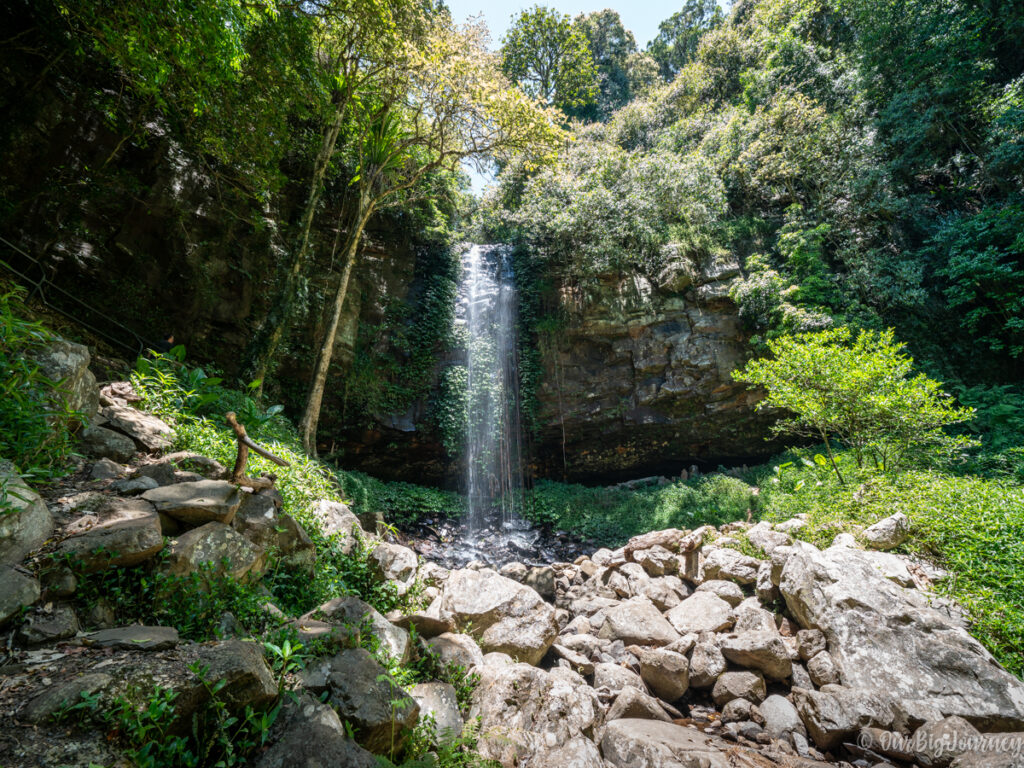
[245,444]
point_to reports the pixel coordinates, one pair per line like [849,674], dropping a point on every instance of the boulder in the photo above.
[338,521]
[637,622]
[258,520]
[701,612]
[762,651]
[766,592]
[614,678]
[938,743]
[767,539]
[730,565]
[889,641]
[668,539]
[41,709]
[108,444]
[889,532]
[706,662]
[457,649]
[657,561]
[810,642]
[632,743]
[823,670]
[209,468]
[313,736]
[123,532]
[363,695]
[196,503]
[666,592]
[528,716]
[17,591]
[508,617]
[217,550]
[576,661]
[836,713]
[163,472]
[356,617]
[49,624]
[105,469]
[666,672]
[727,590]
[134,638]
[134,486]
[25,522]
[737,711]
[780,717]
[67,364]
[438,701]
[394,563]
[542,579]
[739,685]
[634,703]
[149,432]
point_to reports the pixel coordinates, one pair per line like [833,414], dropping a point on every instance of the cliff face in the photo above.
[638,380]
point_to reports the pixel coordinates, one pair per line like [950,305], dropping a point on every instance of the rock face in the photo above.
[886,640]
[67,364]
[510,617]
[26,522]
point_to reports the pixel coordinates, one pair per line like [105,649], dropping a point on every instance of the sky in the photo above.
[641,17]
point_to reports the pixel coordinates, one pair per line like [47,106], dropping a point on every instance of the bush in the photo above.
[35,422]
[611,516]
[860,391]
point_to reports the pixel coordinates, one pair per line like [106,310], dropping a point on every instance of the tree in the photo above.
[550,59]
[859,391]
[445,100]
[679,34]
[611,45]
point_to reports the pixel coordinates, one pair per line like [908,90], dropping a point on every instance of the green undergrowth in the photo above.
[972,526]
[609,516]
[399,503]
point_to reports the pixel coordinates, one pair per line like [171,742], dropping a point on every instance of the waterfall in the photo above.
[487,308]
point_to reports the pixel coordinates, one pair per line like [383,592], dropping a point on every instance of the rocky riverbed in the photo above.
[677,650]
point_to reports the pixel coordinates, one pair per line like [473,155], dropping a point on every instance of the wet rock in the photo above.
[313,736]
[762,651]
[889,641]
[149,432]
[197,503]
[26,523]
[509,617]
[108,444]
[359,689]
[438,701]
[889,532]
[637,622]
[17,591]
[739,685]
[214,549]
[701,612]
[123,532]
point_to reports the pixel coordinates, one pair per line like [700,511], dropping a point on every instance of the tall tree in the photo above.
[550,58]
[446,100]
[679,34]
[611,45]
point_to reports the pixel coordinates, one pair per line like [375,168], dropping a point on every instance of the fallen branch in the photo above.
[245,444]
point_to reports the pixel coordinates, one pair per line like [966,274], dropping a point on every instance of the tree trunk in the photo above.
[268,336]
[311,415]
